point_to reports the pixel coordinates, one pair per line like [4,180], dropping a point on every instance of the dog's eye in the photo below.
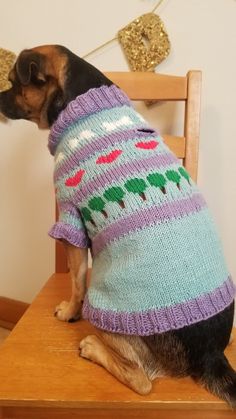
[38,82]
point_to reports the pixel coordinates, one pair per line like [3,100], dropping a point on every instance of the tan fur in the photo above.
[55,63]
[35,101]
[78,264]
[115,354]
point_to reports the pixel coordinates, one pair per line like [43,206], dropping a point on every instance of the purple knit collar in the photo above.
[95,100]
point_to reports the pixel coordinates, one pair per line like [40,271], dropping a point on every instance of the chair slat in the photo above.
[149,86]
[176,144]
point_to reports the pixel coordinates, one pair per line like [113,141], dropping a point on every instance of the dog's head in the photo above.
[38,80]
[44,79]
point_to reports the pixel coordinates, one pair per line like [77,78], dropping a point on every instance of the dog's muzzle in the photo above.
[8,107]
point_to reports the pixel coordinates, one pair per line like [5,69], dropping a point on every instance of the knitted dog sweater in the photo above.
[157,260]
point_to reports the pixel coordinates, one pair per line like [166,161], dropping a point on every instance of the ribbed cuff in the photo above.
[69,233]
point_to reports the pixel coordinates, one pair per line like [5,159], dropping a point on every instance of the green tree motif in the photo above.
[136,186]
[158,180]
[115,194]
[97,204]
[173,176]
[86,214]
[184,173]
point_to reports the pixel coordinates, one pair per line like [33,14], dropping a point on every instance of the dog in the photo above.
[49,85]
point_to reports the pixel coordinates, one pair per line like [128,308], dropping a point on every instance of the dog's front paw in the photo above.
[67,312]
[90,347]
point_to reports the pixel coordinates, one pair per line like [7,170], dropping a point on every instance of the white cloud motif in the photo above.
[60,157]
[111,126]
[73,142]
[86,134]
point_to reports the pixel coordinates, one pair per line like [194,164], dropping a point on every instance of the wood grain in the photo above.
[176,144]
[192,123]
[149,86]
[123,413]
[43,370]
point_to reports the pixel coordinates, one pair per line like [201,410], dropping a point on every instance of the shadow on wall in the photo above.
[166,117]
[27,208]
[211,174]
[34,180]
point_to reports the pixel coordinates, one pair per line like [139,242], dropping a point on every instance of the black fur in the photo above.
[80,76]
[56,105]
[198,351]
[28,66]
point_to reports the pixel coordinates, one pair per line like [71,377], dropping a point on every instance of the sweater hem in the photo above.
[160,320]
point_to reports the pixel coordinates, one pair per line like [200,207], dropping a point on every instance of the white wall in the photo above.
[202,34]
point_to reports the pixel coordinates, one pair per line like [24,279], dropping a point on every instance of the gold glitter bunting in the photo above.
[145,42]
[7,59]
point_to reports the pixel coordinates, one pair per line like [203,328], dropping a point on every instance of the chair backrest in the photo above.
[159,87]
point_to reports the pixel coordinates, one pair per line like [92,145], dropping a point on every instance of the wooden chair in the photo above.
[42,376]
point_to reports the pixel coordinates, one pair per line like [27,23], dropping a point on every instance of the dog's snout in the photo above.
[1,103]
[8,106]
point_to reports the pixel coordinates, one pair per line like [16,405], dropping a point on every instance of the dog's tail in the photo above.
[219,378]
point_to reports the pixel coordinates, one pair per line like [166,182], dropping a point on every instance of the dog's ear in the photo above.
[30,67]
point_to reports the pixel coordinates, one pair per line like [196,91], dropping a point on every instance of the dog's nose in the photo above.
[3,106]
[0,101]
[2,117]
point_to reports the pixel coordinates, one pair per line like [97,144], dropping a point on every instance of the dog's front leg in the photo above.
[78,265]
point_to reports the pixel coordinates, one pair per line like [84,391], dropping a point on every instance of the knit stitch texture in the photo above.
[157,259]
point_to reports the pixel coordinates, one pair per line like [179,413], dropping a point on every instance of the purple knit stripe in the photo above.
[68,208]
[161,320]
[95,100]
[100,144]
[71,234]
[123,170]
[146,217]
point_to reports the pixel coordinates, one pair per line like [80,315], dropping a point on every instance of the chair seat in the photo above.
[43,377]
